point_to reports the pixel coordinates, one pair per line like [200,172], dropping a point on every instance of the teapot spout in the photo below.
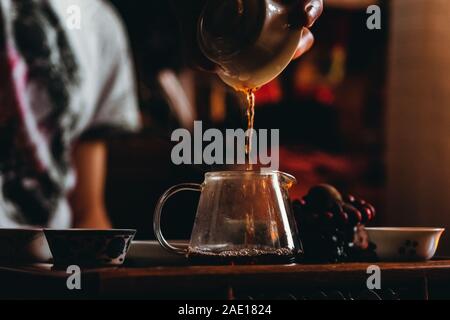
[287,181]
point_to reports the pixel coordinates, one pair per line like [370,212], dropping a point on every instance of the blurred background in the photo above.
[365,110]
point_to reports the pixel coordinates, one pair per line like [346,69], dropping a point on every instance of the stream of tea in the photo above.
[250,114]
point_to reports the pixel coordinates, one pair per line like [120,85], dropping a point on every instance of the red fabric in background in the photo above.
[315,167]
[271,93]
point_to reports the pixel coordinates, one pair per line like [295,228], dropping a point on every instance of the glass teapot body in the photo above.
[242,216]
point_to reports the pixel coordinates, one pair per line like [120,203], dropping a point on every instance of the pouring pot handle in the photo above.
[158,211]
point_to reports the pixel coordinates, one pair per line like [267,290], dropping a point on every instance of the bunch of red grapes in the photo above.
[331,226]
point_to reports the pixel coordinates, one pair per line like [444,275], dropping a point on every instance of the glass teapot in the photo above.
[242,217]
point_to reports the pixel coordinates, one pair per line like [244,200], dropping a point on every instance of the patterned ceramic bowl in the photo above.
[23,246]
[85,247]
[405,244]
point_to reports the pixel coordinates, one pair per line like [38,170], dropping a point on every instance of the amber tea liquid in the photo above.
[243,257]
[250,112]
[250,115]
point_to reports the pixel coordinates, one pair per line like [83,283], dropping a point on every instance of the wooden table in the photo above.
[398,280]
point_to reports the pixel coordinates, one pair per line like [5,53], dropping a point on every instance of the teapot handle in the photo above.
[158,211]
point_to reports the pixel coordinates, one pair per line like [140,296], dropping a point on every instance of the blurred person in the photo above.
[62,92]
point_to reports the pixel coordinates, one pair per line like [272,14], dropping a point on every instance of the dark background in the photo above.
[328,105]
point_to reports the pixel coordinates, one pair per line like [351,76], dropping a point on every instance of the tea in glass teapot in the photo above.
[243,217]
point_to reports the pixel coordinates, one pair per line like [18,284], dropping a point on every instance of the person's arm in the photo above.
[116,112]
[87,199]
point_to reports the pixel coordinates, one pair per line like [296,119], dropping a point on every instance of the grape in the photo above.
[367,214]
[349,198]
[322,197]
[343,216]
[372,209]
[366,209]
[329,216]
[354,215]
[331,226]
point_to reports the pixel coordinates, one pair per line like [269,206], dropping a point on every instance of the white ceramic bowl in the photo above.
[405,244]
[23,246]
